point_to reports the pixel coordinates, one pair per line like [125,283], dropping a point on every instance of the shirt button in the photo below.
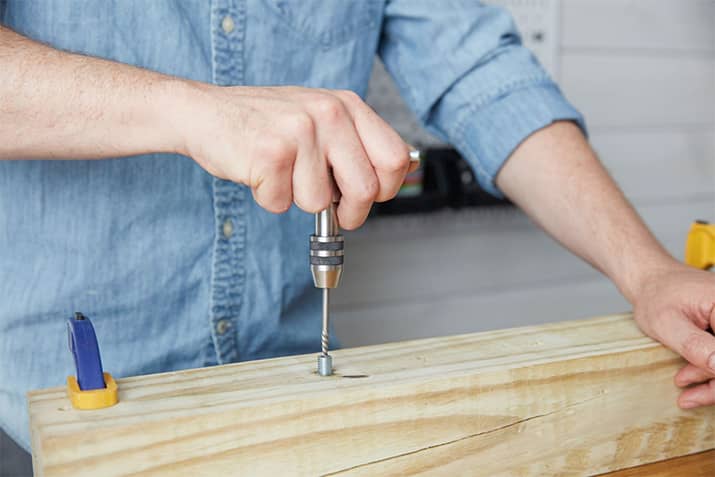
[227,228]
[227,24]
[222,326]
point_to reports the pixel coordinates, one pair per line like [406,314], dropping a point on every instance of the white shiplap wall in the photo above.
[643,73]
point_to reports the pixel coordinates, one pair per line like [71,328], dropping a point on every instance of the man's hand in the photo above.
[676,306]
[284,142]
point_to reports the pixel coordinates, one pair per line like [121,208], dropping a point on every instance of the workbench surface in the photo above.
[696,465]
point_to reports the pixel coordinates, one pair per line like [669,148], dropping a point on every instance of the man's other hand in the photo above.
[676,306]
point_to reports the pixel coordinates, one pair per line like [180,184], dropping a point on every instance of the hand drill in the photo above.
[326,264]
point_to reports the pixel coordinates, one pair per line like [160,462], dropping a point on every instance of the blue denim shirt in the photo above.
[178,269]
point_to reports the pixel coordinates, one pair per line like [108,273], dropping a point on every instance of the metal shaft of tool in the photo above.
[325,361]
[325,336]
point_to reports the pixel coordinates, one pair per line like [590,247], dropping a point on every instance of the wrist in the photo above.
[178,109]
[637,274]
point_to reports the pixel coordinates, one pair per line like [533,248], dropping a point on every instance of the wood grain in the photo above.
[574,398]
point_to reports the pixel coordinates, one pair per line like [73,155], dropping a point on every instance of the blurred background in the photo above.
[643,73]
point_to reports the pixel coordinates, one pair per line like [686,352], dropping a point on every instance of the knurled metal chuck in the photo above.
[326,250]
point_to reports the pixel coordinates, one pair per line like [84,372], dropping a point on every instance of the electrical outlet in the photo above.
[538,22]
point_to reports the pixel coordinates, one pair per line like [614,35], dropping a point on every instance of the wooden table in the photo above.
[696,465]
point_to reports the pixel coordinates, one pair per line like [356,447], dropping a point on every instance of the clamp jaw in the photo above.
[700,246]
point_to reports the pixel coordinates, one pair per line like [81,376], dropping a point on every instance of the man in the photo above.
[175,261]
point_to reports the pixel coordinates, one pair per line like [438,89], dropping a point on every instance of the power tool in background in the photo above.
[445,181]
[700,246]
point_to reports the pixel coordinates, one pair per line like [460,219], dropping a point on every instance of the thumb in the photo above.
[692,343]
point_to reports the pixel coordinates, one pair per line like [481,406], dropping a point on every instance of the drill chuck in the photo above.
[326,250]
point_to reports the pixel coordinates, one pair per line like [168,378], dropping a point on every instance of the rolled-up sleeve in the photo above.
[461,67]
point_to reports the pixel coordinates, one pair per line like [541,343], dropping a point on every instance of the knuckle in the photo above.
[273,149]
[387,194]
[694,346]
[278,164]
[328,107]
[282,207]
[347,221]
[313,203]
[270,195]
[302,125]
[350,96]
[368,191]
[277,205]
[397,162]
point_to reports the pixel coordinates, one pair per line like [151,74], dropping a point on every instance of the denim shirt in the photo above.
[178,269]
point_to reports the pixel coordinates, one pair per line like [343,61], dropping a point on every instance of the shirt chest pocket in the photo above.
[326,23]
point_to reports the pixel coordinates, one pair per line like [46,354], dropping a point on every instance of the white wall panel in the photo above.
[506,308]
[637,92]
[398,269]
[684,26]
[658,166]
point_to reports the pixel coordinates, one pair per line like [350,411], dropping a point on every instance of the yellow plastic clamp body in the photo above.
[700,246]
[93,398]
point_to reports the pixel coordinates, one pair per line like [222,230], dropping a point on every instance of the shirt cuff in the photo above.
[489,134]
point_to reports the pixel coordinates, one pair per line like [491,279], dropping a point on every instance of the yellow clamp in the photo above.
[92,398]
[700,246]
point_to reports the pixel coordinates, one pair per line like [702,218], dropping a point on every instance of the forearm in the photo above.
[556,178]
[55,104]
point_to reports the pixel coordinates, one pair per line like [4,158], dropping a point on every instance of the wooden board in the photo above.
[574,398]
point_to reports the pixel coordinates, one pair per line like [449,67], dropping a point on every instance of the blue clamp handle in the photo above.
[84,348]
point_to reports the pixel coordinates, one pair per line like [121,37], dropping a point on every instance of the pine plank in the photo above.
[572,398]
